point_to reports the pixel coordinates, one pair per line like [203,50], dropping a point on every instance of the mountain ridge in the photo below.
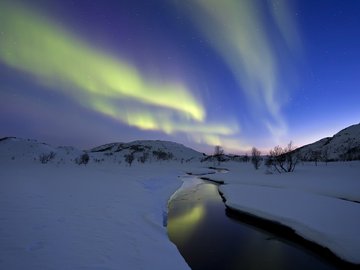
[342,146]
[141,151]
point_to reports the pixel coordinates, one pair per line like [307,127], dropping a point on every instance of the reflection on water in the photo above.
[209,239]
[185,223]
[186,219]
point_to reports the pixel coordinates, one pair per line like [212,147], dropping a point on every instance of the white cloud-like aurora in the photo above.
[237,30]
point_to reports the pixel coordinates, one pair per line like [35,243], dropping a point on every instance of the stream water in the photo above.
[208,237]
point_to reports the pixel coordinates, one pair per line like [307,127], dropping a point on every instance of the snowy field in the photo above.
[107,215]
[86,217]
[321,203]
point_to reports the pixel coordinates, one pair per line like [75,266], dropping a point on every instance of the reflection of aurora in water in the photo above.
[185,220]
[208,239]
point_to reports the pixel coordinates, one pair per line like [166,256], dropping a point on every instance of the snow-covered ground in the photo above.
[86,217]
[107,215]
[321,203]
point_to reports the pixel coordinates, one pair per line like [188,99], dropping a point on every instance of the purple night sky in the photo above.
[202,72]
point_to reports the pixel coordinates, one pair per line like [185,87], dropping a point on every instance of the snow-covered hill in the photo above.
[12,148]
[147,150]
[100,216]
[344,145]
[18,149]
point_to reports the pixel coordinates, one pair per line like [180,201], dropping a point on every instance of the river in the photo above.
[209,237]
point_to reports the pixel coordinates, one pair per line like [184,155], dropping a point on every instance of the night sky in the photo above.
[235,73]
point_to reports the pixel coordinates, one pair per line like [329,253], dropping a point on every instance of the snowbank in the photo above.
[317,202]
[93,217]
[330,222]
[337,179]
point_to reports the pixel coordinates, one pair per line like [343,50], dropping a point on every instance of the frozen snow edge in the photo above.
[317,224]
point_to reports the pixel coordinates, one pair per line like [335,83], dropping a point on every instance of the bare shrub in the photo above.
[46,157]
[255,157]
[283,159]
[162,155]
[129,158]
[245,158]
[144,157]
[83,159]
[218,153]
[315,156]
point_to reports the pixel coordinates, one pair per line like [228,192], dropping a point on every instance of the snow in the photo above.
[99,216]
[330,222]
[107,215]
[310,201]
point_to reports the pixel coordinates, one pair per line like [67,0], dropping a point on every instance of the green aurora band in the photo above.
[38,46]
[57,59]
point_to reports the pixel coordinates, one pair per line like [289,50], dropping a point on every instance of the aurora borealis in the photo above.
[202,73]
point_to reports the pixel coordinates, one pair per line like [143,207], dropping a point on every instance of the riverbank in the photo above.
[210,236]
[318,202]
